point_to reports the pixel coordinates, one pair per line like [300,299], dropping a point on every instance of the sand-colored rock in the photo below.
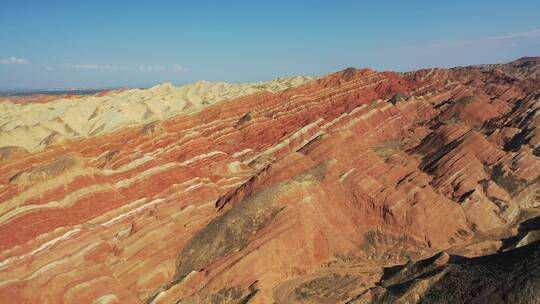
[35,125]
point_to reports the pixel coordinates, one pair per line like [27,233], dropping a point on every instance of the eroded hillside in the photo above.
[312,193]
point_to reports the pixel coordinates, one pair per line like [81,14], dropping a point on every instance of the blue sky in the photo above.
[47,44]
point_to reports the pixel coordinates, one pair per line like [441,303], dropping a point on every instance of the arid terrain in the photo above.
[353,187]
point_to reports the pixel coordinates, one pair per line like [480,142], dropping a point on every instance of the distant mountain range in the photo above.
[52,91]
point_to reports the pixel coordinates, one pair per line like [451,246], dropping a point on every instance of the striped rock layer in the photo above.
[301,195]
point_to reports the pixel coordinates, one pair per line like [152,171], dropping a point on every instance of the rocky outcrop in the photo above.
[303,193]
[510,277]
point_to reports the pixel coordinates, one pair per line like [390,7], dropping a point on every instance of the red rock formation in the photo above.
[253,197]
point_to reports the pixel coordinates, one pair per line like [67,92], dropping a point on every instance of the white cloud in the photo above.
[86,66]
[528,34]
[179,68]
[143,67]
[12,60]
[152,68]
[511,36]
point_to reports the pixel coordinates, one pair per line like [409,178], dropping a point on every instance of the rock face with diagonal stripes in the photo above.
[300,190]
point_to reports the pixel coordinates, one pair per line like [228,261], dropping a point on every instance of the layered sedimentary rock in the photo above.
[40,121]
[304,193]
